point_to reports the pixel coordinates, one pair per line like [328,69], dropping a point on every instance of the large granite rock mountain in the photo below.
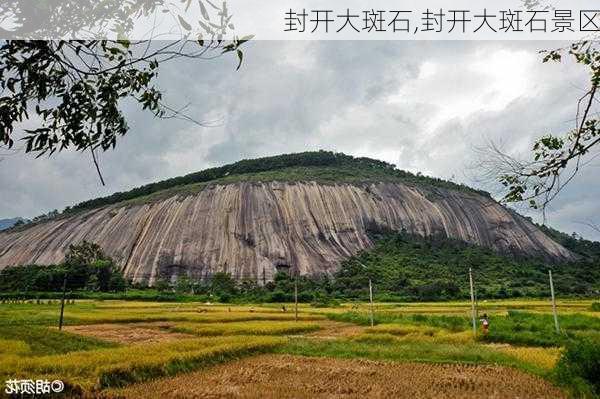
[252,229]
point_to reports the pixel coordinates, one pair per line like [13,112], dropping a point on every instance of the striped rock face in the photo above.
[251,230]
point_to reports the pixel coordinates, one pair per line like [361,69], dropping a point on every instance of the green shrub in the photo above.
[279,296]
[595,307]
[324,301]
[579,367]
[452,323]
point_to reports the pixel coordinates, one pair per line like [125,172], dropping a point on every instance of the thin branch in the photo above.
[97,166]
[591,225]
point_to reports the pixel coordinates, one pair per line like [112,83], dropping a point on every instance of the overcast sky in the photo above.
[423,106]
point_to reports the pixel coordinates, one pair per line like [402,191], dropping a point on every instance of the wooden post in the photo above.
[371,300]
[296,298]
[264,277]
[62,303]
[476,305]
[553,302]
[472,302]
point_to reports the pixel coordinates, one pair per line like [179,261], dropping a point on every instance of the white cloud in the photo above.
[486,79]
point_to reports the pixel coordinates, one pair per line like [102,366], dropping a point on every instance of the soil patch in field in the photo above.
[129,333]
[335,330]
[285,376]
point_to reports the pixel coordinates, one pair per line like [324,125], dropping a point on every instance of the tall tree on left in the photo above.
[71,91]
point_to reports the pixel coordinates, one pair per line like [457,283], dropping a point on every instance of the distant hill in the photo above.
[8,223]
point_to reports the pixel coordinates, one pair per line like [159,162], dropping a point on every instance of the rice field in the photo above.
[97,369]
[286,376]
[140,349]
[246,328]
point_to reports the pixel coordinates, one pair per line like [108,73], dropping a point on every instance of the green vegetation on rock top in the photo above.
[321,166]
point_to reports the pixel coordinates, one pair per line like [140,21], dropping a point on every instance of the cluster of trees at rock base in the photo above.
[402,267]
[85,267]
[436,268]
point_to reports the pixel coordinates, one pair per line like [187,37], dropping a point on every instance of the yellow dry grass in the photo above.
[420,333]
[133,333]
[283,376]
[198,316]
[162,340]
[246,328]
[335,330]
[102,367]
[13,347]
[544,358]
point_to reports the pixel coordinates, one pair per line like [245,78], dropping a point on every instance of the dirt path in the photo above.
[284,376]
[128,333]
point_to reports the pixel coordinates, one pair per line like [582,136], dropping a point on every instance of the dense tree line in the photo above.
[412,268]
[85,267]
[436,268]
[402,267]
[223,288]
[574,242]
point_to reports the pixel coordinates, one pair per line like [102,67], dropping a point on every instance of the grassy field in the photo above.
[123,348]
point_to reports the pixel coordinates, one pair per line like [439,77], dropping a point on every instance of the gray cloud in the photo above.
[420,105]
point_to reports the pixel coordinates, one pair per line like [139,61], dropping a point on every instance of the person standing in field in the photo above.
[485,323]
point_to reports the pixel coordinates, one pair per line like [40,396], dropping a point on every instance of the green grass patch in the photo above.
[40,341]
[452,323]
[100,312]
[518,328]
[535,329]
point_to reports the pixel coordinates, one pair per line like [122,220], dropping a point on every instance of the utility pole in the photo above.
[296,298]
[370,295]
[476,305]
[472,302]
[371,300]
[62,303]
[553,302]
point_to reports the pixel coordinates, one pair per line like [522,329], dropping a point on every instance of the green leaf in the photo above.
[241,58]
[203,10]
[184,24]
[245,39]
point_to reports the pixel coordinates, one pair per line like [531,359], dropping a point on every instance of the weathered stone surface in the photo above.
[248,229]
